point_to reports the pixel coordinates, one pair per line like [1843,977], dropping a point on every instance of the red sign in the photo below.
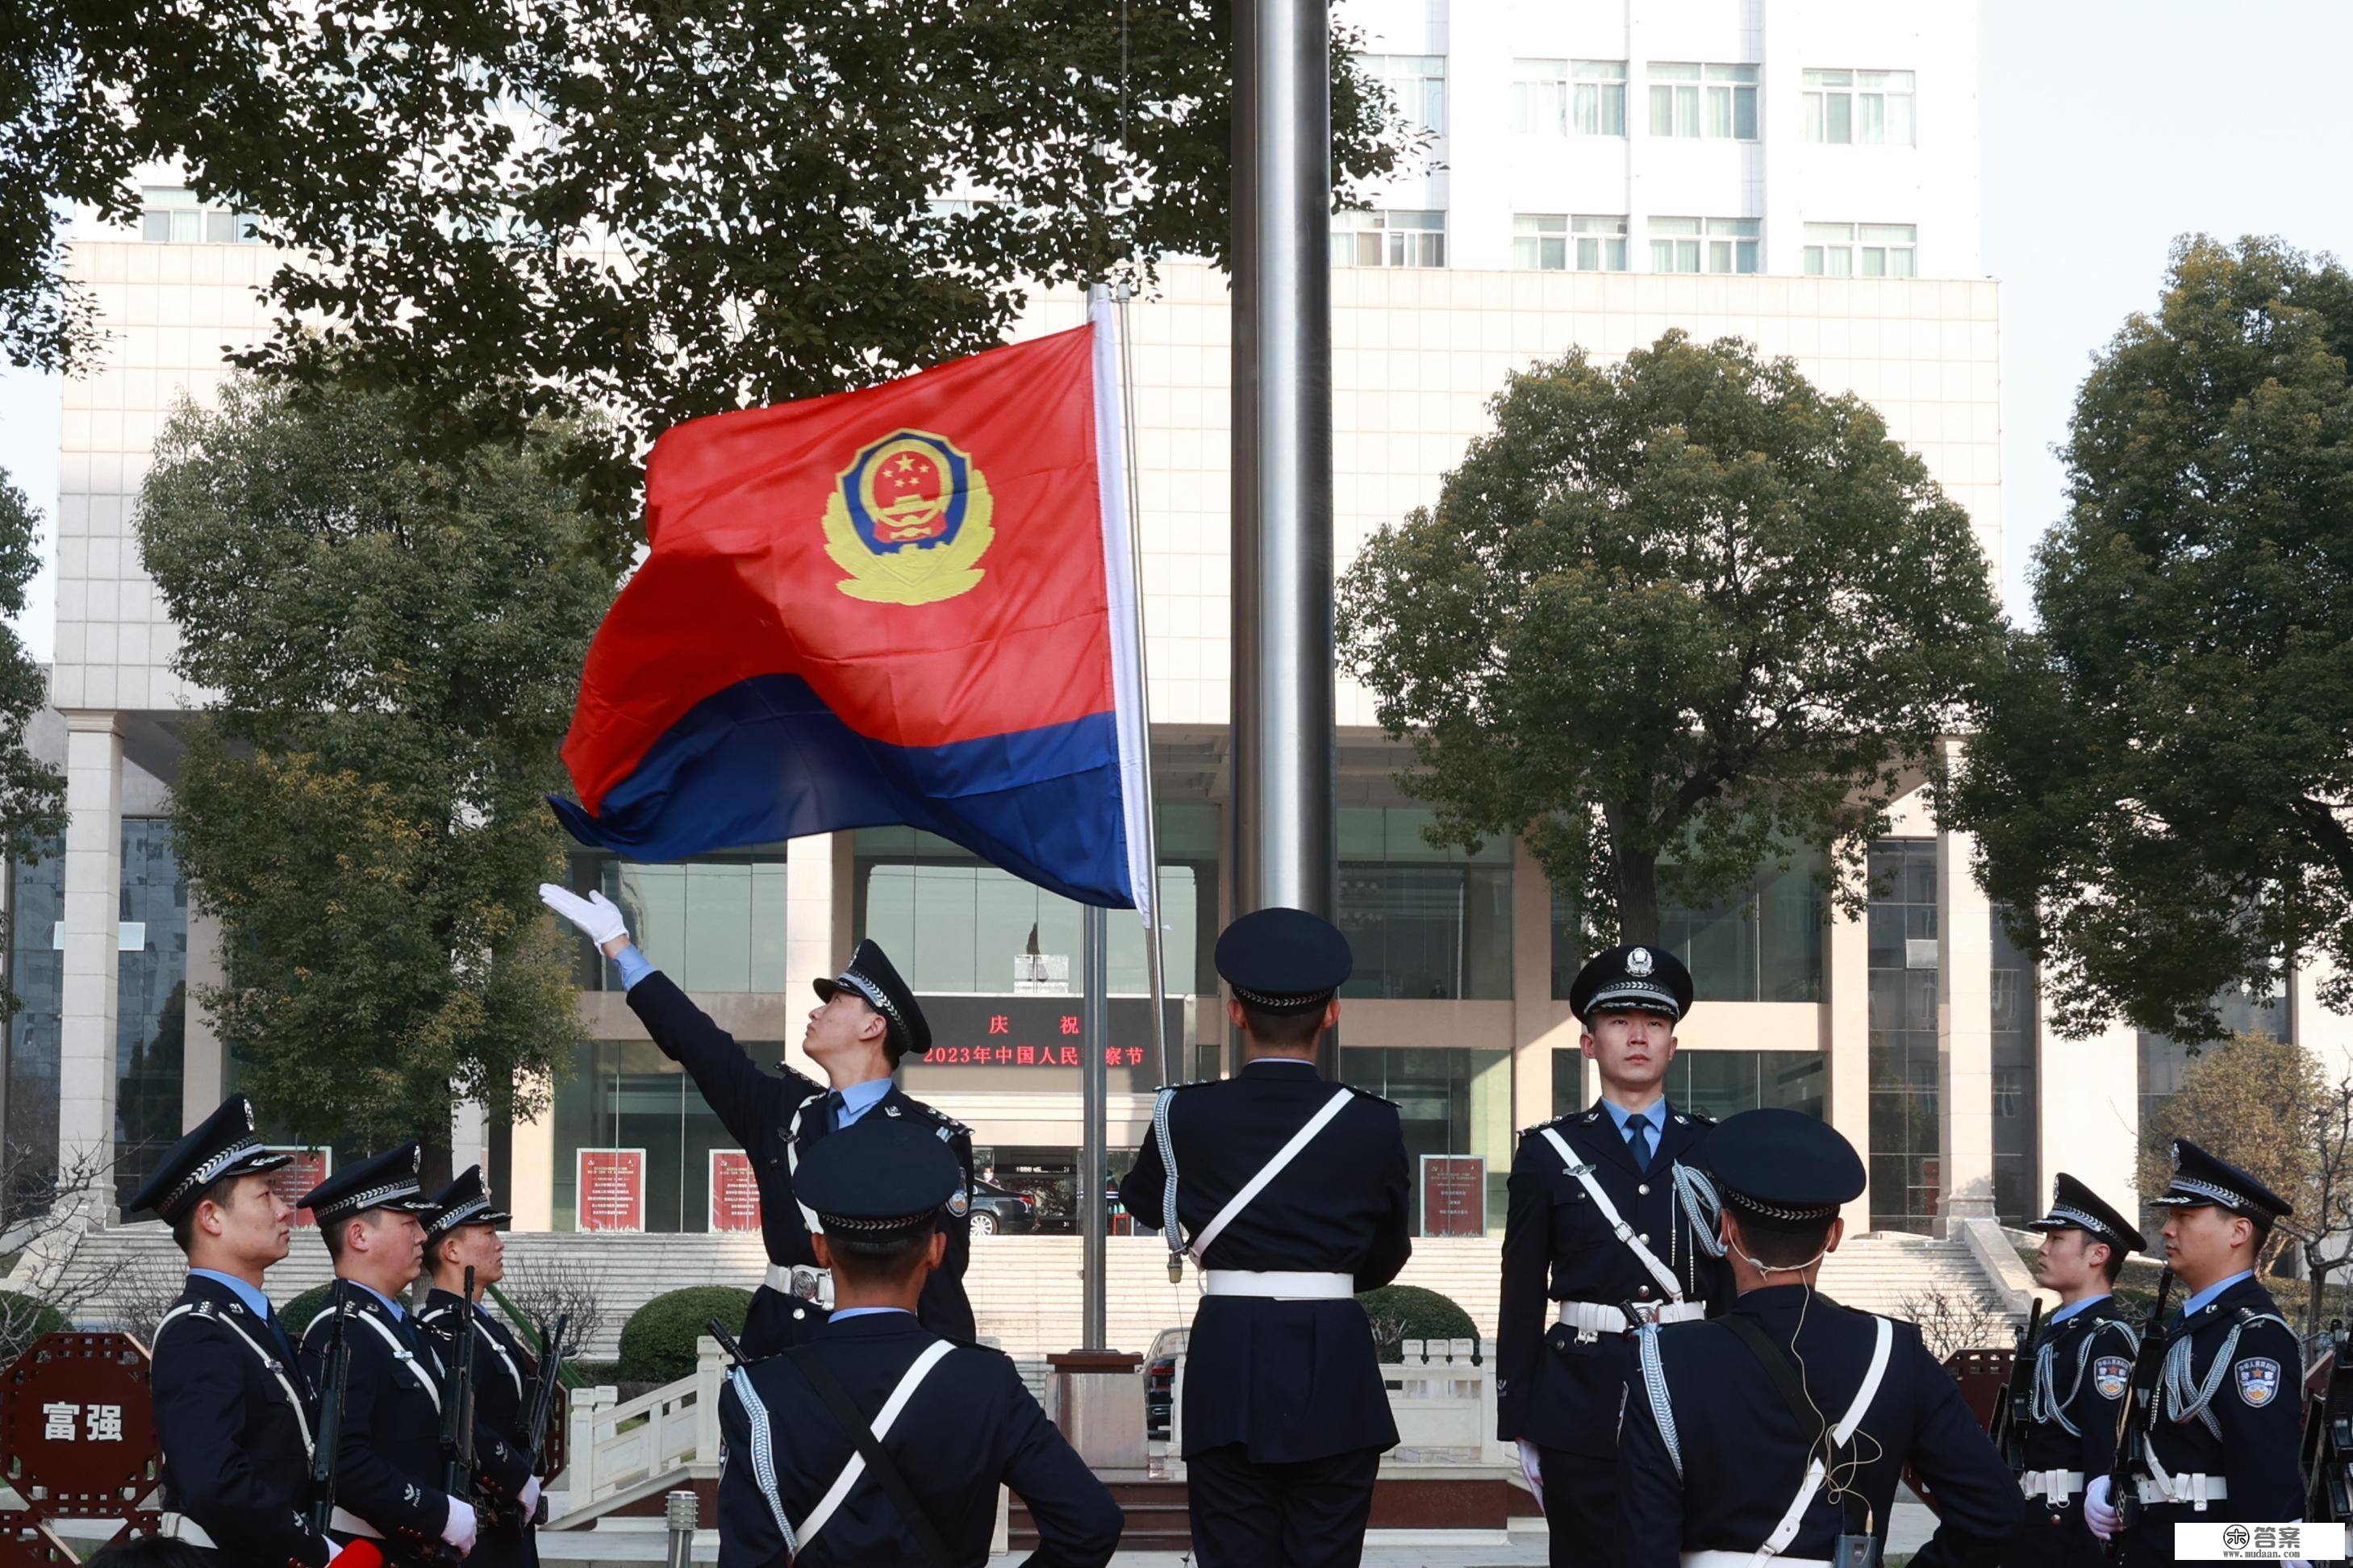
[308,1168]
[78,1426]
[612,1189]
[734,1192]
[1453,1195]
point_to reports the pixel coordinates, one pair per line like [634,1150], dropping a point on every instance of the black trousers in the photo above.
[2053,1537]
[1581,1513]
[1307,1514]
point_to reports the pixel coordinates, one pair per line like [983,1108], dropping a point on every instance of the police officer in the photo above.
[234,1414]
[865,1022]
[1608,1210]
[1291,1195]
[878,1442]
[389,1464]
[2232,1393]
[2082,1366]
[461,1232]
[1785,1423]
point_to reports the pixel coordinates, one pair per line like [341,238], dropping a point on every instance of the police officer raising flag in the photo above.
[2080,1367]
[878,1442]
[235,1415]
[1780,1430]
[1291,1195]
[1609,1216]
[2221,1446]
[865,1022]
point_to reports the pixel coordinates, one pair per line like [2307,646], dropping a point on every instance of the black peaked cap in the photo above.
[223,1144]
[871,976]
[1283,960]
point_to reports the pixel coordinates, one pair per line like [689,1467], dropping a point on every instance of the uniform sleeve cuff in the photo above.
[632,965]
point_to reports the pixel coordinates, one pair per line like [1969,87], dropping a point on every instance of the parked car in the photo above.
[1160,1381]
[995,1209]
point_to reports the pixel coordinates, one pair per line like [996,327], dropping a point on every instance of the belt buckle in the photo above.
[1641,1315]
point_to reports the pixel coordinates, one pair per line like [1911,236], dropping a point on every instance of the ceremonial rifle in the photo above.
[2138,1420]
[726,1340]
[458,1414]
[538,1406]
[2016,1398]
[333,1373]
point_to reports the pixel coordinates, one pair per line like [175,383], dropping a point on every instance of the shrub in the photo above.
[1402,1312]
[23,1320]
[296,1315]
[657,1341]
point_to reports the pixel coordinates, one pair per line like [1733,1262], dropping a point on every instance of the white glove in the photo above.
[598,918]
[529,1500]
[1533,1469]
[2104,1520]
[457,1529]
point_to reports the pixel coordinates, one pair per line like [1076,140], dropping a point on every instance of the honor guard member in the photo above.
[878,1442]
[2231,1396]
[2081,1367]
[1291,1195]
[233,1411]
[389,1464]
[461,1232]
[1781,1427]
[866,1021]
[1609,1216]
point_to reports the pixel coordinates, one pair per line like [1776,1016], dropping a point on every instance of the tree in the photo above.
[394,641]
[658,211]
[2255,1102]
[2327,1218]
[2160,773]
[32,793]
[1671,620]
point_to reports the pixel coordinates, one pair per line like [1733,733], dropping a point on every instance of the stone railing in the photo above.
[1442,1395]
[619,1451]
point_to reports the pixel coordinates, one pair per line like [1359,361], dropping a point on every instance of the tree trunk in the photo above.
[433,1171]
[1636,872]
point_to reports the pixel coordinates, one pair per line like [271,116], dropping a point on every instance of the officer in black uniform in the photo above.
[1786,1421]
[233,1411]
[2082,1366]
[462,1231]
[390,1466]
[1608,1210]
[1291,1195]
[867,1022]
[949,1422]
[2227,1432]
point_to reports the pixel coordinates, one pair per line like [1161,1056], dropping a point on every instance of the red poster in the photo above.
[612,1189]
[1453,1195]
[308,1169]
[734,1194]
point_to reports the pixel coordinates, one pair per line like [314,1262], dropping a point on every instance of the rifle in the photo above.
[2138,1420]
[2017,1396]
[333,1373]
[726,1340]
[458,1410]
[538,1406]
[2328,1441]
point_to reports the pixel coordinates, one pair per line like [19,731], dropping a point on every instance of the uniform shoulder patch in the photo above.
[2258,1381]
[2111,1375]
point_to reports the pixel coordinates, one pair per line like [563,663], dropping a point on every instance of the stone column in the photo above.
[813,944]
[531,1173]
[1846,1042]
[1964,1027]
[93,905]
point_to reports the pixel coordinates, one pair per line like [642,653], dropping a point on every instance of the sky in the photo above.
[2107,127]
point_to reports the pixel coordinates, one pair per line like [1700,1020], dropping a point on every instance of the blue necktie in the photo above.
[835,1109]
[1635,1127]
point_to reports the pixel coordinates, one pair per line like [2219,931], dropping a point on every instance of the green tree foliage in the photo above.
[2159,781]
[1671,619]
[394,640]
[32,793]
[2255,1100]
[657,210]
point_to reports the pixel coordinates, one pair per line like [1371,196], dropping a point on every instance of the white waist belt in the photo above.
[2195,1488]
[352,1524]
[802,1282]
[1746,1560]
[1594,1317]
[180,1527]
[2051,1486]
[1280,1287]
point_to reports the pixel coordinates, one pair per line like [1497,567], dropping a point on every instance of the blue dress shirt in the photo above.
[1654,1123]
[848,1312]
[2061,1314]
[255,1301]
[2211,1291]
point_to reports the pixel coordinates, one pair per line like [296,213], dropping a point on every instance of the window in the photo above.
[1417,84]
[2017,1178]
[713,923]
[169,214]
[1388,239]
[1873,108]
[1555,242]
[1711,244]
[1601,244]
[37,900]
[624,1094]
[149,1001]
[1423,922]
[1861,250]
[1600,96]
[1540,97]
[1693,100]
[1717,1083]
[1763,945]
[1450,1100]
[1906,1167]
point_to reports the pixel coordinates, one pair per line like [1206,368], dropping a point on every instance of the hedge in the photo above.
[296,1315]
[1402,1312]
[23,1320]
[657,1341]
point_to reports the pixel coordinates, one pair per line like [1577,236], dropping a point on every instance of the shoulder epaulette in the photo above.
[1194,1083]
[1368,1094]
[1531,1131]
[1697,1118]
[949,1124]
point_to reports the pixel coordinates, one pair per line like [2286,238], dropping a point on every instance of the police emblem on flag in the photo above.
[2259,1380]
[2110,1374]
[909,521]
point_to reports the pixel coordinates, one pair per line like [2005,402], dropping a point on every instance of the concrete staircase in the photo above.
[1025,1289]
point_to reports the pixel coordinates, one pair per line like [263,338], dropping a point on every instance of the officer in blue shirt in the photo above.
[1571,1273]
[867,1021]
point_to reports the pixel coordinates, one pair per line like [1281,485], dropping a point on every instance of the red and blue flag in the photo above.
[910,603]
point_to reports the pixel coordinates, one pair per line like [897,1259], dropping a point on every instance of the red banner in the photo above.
[289,1182]
[1453,1195]
[612,1189]
[734,1190]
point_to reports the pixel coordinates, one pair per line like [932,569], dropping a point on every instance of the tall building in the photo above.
[1602,174]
